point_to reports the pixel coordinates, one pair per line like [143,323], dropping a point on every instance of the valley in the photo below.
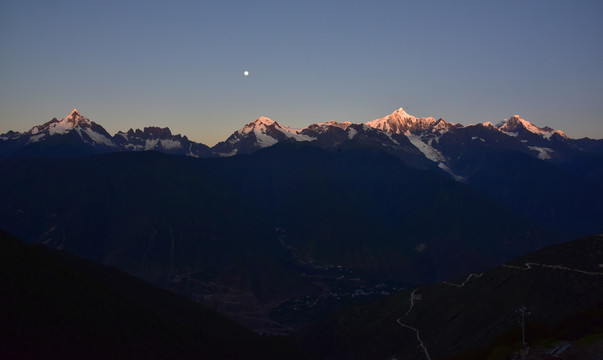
[228,240]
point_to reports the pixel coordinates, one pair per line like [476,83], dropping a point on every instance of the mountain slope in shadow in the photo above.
[561,286]
[247,234]
[57,306]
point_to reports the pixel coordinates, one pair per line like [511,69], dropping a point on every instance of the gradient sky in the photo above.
[129,64]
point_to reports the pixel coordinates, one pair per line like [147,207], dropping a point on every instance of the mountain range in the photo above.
[276,227]
[425,140]
[510,162]
[76,135]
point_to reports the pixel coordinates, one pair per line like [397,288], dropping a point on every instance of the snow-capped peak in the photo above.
[515,124]
[261,123]
[88,131]
[342,125]
[62,126]
[268,132]
[264,120]
[402,114]
[400,122]
[75,119]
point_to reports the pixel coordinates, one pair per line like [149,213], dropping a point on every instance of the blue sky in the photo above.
[128,64]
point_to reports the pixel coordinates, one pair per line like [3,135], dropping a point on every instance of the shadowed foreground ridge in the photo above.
[561,285]
[57,306]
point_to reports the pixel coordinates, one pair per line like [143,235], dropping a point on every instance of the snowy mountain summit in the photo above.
[67,124]
[515,125]
[76,119]
[260,133]
[76,135]
[400,122]
[76,125]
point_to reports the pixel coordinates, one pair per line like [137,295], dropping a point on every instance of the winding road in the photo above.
[399,321]
[418,337]
[528,266]
[412,299]
[464,282]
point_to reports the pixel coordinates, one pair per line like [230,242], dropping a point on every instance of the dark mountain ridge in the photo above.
[561,286]
[253,227]
[58,306]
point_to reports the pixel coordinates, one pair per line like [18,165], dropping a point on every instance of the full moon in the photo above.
[246,73]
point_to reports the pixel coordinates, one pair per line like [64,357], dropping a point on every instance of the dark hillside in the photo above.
[562,287]
[247,234]
[57,306]
[568,202]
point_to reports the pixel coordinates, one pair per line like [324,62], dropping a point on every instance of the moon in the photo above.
[246,73]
